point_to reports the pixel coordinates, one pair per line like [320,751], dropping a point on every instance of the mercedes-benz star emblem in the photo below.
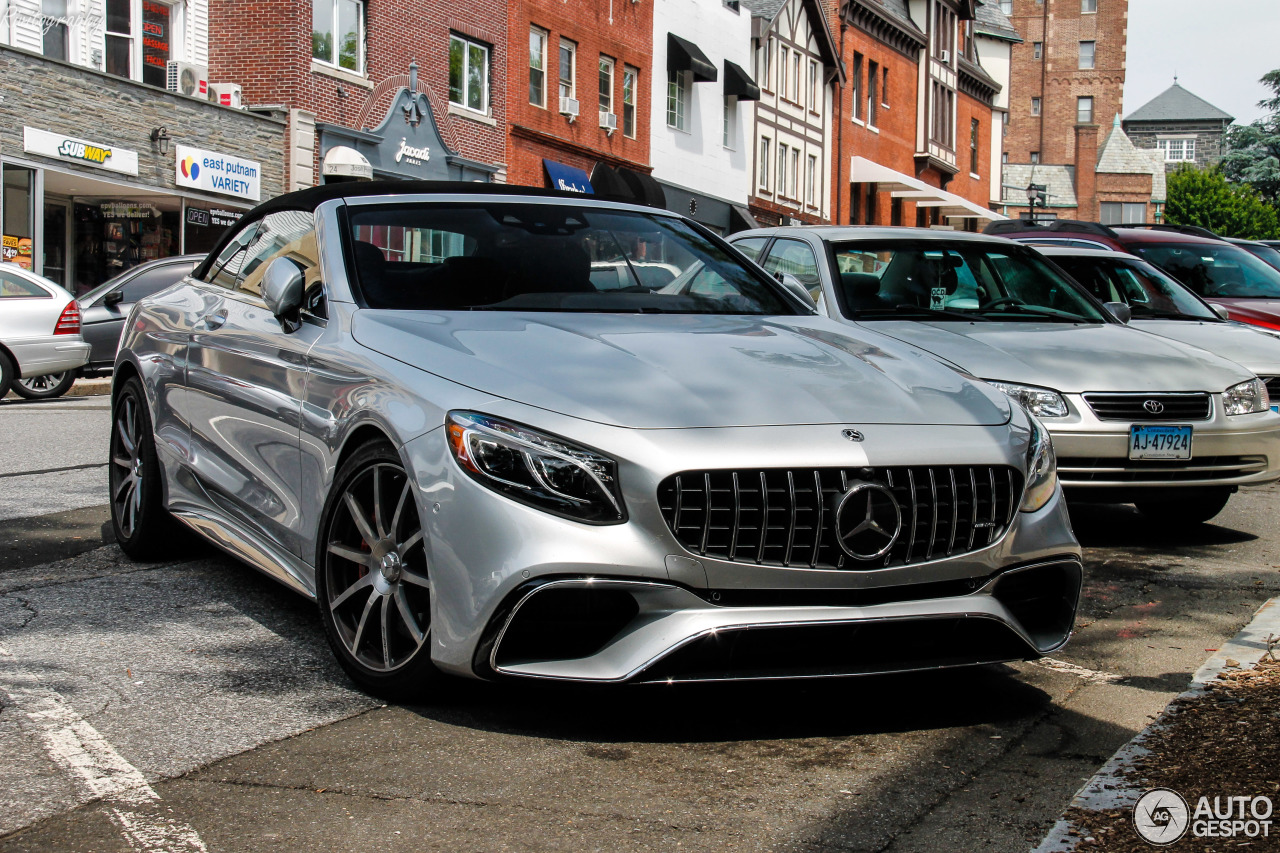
[868,521]
[853,435]
[1155,407]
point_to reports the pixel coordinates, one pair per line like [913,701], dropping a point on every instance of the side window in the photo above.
[17,287]
[152,281]
[751,246]
[796,258]
[226,269]
[288,233]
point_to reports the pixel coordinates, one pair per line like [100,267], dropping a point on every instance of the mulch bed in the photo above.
[1223,742]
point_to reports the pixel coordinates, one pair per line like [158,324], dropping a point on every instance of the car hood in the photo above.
[681,371]
[1259,312]
[1070,358]
[1253,350]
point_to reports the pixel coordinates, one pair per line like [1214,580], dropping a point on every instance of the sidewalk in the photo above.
[1214,752]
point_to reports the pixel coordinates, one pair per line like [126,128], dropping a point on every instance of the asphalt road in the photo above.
[192,704]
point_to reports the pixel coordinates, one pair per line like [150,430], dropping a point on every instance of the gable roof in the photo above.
[1059,183]
[768,10]
[1177,104]
[988,20]
[1119,156]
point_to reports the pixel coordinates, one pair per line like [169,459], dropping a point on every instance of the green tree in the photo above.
[1205,198]
[1253,150]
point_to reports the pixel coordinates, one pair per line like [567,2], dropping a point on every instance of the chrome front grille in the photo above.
[1273,388]
[786,517]
[1150,407]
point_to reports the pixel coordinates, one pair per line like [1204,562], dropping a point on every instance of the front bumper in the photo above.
[1226,450]
[48,354]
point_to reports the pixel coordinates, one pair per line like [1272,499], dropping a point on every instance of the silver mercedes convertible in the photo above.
[486,434]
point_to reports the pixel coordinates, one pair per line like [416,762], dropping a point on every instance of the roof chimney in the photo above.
[1087,172]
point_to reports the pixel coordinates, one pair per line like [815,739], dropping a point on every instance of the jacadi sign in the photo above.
[218,173]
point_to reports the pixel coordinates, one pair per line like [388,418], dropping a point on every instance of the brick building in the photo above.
[797,66]
[581,78]
[98,152]
[913,124]
[1185,128]
[342,72]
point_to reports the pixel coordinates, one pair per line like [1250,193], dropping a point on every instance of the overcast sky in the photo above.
[1218,49]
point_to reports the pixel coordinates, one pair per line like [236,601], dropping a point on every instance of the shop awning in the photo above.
[606,182]
[684,55]
[738,82]
[740,219]
[567,178]
[864,171]
[643,187]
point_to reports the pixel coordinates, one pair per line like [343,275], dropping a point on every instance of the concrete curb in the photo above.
[1108,789]
[80,388]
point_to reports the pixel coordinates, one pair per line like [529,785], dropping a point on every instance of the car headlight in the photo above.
[1246,398]
[1041,402]
[543,471]
[1042,469]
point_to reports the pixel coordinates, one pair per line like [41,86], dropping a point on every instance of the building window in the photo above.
[782,71]
[54,14]
[944,36]
[630,76]
[1004,118]
[1084,110]
[884,87]
[795,173]
[873,81]
[730,121]
[677,99]
[782,170]
[1035,106]
[1177,150]
[811,182]
[764,162]
[814,89]
[127,55]
[568,75]
[973,146]
[1006,6]
[855,85]
[606,84]
[1037,50]
[766,64]
[337,32]
[1087,49]
[1035,157]
[1122,212]
[1004,157]
[795,76]
[1087,6]
[468,74]
[537,67]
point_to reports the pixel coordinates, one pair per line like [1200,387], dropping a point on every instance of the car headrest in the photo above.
[860,284]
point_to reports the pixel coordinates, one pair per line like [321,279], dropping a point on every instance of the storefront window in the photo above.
[18,216]
[112,236]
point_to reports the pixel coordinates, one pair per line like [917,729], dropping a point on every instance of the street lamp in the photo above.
[1036,193]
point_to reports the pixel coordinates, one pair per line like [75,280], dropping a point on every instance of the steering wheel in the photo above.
[1003,300]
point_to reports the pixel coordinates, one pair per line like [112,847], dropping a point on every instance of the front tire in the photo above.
[143,527]
[45,387]
[1193,508]
[373,587]
[7,373]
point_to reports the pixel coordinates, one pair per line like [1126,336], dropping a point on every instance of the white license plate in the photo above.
[1159,442]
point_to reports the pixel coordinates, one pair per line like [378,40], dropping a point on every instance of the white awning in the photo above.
[864,171]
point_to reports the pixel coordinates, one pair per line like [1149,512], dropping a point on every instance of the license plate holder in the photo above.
[1151,441]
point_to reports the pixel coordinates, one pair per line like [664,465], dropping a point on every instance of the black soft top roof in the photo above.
[311,198]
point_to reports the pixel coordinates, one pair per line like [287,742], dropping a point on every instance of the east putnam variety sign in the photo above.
[81,151]
[218,173]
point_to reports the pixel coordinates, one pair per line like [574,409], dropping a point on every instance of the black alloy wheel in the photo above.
[143,527]
[45,387]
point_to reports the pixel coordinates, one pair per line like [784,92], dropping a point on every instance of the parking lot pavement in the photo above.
[54,455]
[193,704]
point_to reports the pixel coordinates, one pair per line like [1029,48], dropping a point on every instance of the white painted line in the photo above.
[104,774]
[1109,788]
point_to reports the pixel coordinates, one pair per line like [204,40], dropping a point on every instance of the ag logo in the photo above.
[1161,816]
[852,435]
[868,521]
[1155,407]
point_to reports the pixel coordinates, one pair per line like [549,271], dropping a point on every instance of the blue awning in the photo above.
[567,178]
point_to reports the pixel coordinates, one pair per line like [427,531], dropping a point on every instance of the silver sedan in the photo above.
[40,342]
[444,417]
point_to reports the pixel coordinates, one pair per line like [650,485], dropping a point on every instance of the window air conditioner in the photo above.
[609,121]
[944,56]
[569,107]
[187,78]
[227,94]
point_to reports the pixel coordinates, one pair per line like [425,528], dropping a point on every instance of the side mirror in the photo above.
[282,285]
[796,287]
[1119,310]
[1220,310]
[113,297]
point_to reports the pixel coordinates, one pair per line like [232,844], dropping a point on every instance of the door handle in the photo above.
[214,320]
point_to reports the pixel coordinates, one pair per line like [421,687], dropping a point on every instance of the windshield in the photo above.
[523,256]
[1215,269]
[931,279]
[1267,253]
[1146,290]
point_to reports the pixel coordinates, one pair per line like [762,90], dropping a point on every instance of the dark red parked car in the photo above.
[1224,274]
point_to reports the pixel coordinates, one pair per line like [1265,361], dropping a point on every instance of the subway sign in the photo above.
[72,150]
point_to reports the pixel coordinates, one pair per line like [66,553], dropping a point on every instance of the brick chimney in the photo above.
[1087,172]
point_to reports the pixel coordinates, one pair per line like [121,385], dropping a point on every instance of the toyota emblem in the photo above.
[1155,407]
[868,521]
[853,435]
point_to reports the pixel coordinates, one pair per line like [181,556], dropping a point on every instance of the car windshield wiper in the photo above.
[1046,313]
[920,312]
